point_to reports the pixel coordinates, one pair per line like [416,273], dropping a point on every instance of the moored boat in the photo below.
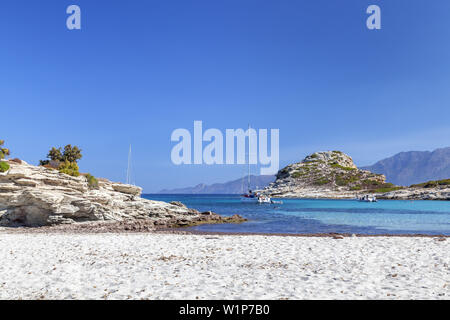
[368,198]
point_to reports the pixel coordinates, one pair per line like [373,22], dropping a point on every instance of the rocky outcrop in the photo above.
[333,175]
[329,174]
[438,193]
[38,196]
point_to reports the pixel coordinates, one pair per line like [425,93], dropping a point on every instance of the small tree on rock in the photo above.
[71,154]
[65,161]
[55,154]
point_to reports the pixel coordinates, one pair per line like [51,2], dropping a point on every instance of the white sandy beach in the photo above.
[172,266]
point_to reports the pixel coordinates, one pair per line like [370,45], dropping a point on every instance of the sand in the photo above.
[176,266]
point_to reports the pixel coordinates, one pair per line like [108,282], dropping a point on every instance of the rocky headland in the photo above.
[36,196]
[333,175]
[421,192]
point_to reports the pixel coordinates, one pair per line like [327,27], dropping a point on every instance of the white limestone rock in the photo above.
[37,196]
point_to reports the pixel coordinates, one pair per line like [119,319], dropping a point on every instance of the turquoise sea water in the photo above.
[323,216]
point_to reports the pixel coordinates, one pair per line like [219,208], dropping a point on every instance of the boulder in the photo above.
[127,188]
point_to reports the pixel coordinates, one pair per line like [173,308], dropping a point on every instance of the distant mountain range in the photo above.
[406,168]
[231,187]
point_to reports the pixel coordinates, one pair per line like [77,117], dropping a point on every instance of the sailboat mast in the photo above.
[129,167]
[248,174]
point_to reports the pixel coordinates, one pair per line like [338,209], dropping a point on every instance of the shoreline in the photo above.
[299,235]
[114,228]
[378,196]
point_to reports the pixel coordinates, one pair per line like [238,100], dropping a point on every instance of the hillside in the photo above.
[330,174]
[407,168]
[231,187]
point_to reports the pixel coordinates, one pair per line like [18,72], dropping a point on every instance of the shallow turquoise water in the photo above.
[323,216]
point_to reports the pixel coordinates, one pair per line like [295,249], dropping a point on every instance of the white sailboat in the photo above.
[251,196]
[129,169]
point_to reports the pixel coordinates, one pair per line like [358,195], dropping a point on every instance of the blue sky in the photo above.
[140,69]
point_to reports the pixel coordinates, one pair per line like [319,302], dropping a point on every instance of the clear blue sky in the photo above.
[140,69]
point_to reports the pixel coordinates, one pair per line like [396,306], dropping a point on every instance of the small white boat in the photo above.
[368,198]
[255,197]
[264,199]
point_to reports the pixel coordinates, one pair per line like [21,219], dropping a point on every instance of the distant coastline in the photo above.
[413,175]
[237,186]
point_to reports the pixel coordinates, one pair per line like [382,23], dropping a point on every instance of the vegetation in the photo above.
[3,151]
[385,187]
[71,154]
[55,154]
[92,181]
[432,184]
[369,183]
[70,168]
[337,165]
[321,181]
[44,163]
[4,166]
[298,174]
[388,189]
[63,160]
[343,180]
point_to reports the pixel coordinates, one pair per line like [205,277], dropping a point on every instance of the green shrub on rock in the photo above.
[298,174]
[432,184]
[321,181]
[4,166]
[44,162]
[387,189]
[92,181]
[337,165]
[70,168]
